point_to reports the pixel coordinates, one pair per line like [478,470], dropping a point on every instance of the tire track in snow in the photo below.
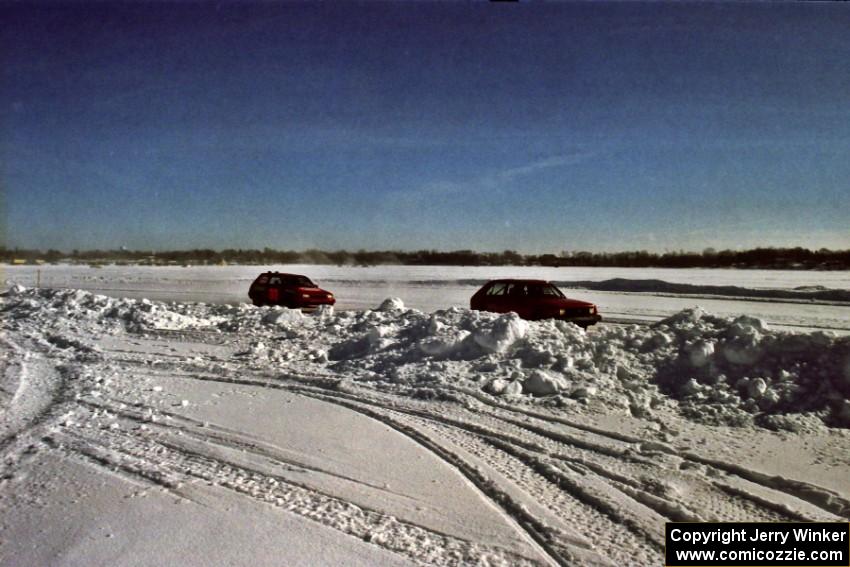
[176,468]
[615,444]
[622,499]
[575,505]
[630,448]
[530,453]
[610,504]
[212,434]
[518,514]
[834,505]
[638,453]
[529,523]
[376,410]
[523,522]
[590,451]
[813,503]
[44,392]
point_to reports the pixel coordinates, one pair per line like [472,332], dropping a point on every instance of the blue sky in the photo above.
[535,127]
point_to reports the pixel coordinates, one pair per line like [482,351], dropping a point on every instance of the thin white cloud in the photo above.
[489,181]
[539,165]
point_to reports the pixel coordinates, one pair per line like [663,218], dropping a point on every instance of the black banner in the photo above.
[745,544]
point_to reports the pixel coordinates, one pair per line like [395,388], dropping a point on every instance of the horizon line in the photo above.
[706,251]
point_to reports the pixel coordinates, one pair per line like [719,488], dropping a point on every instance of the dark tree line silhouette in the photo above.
[765,258]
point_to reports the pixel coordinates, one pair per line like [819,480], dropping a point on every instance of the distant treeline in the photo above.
[764,258]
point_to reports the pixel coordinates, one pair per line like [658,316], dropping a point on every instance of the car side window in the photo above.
[552,290]
[263,280]
[274,280]
[497,289]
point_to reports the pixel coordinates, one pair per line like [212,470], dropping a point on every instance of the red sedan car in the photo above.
[534,299]
[290,290]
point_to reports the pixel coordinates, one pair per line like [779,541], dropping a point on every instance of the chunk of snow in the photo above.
[756,388]
[700,353]
[392,304]
[17,289]
[324,311]
[745,321]
[542,383]
[742,351]
[497,386]
[443,346]
[584,391]
[503,333]
[377,333]
[283,315]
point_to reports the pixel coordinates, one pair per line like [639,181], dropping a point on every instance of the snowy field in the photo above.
[138,427]
[804,300]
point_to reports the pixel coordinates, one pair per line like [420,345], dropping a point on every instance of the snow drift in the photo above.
[733,371]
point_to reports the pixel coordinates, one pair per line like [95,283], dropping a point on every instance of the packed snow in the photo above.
[449,436]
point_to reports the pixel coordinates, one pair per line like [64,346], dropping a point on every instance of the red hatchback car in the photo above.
[290,290]
[534,299]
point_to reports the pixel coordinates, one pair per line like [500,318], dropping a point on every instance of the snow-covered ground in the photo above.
[141,432]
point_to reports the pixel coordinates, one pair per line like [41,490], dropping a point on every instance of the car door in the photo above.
[519,301]
[496,298]
[273,293]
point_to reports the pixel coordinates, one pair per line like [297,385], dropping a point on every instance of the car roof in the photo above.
[512,280]
[282,274]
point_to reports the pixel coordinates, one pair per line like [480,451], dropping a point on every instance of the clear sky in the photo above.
[534,127]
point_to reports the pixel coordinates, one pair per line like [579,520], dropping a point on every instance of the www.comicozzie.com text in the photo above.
[726,536]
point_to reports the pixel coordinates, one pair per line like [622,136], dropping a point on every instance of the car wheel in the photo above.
[257,303]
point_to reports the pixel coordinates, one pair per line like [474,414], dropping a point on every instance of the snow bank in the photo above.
[714,370]
[803,293]
[726,369]
[80,310]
